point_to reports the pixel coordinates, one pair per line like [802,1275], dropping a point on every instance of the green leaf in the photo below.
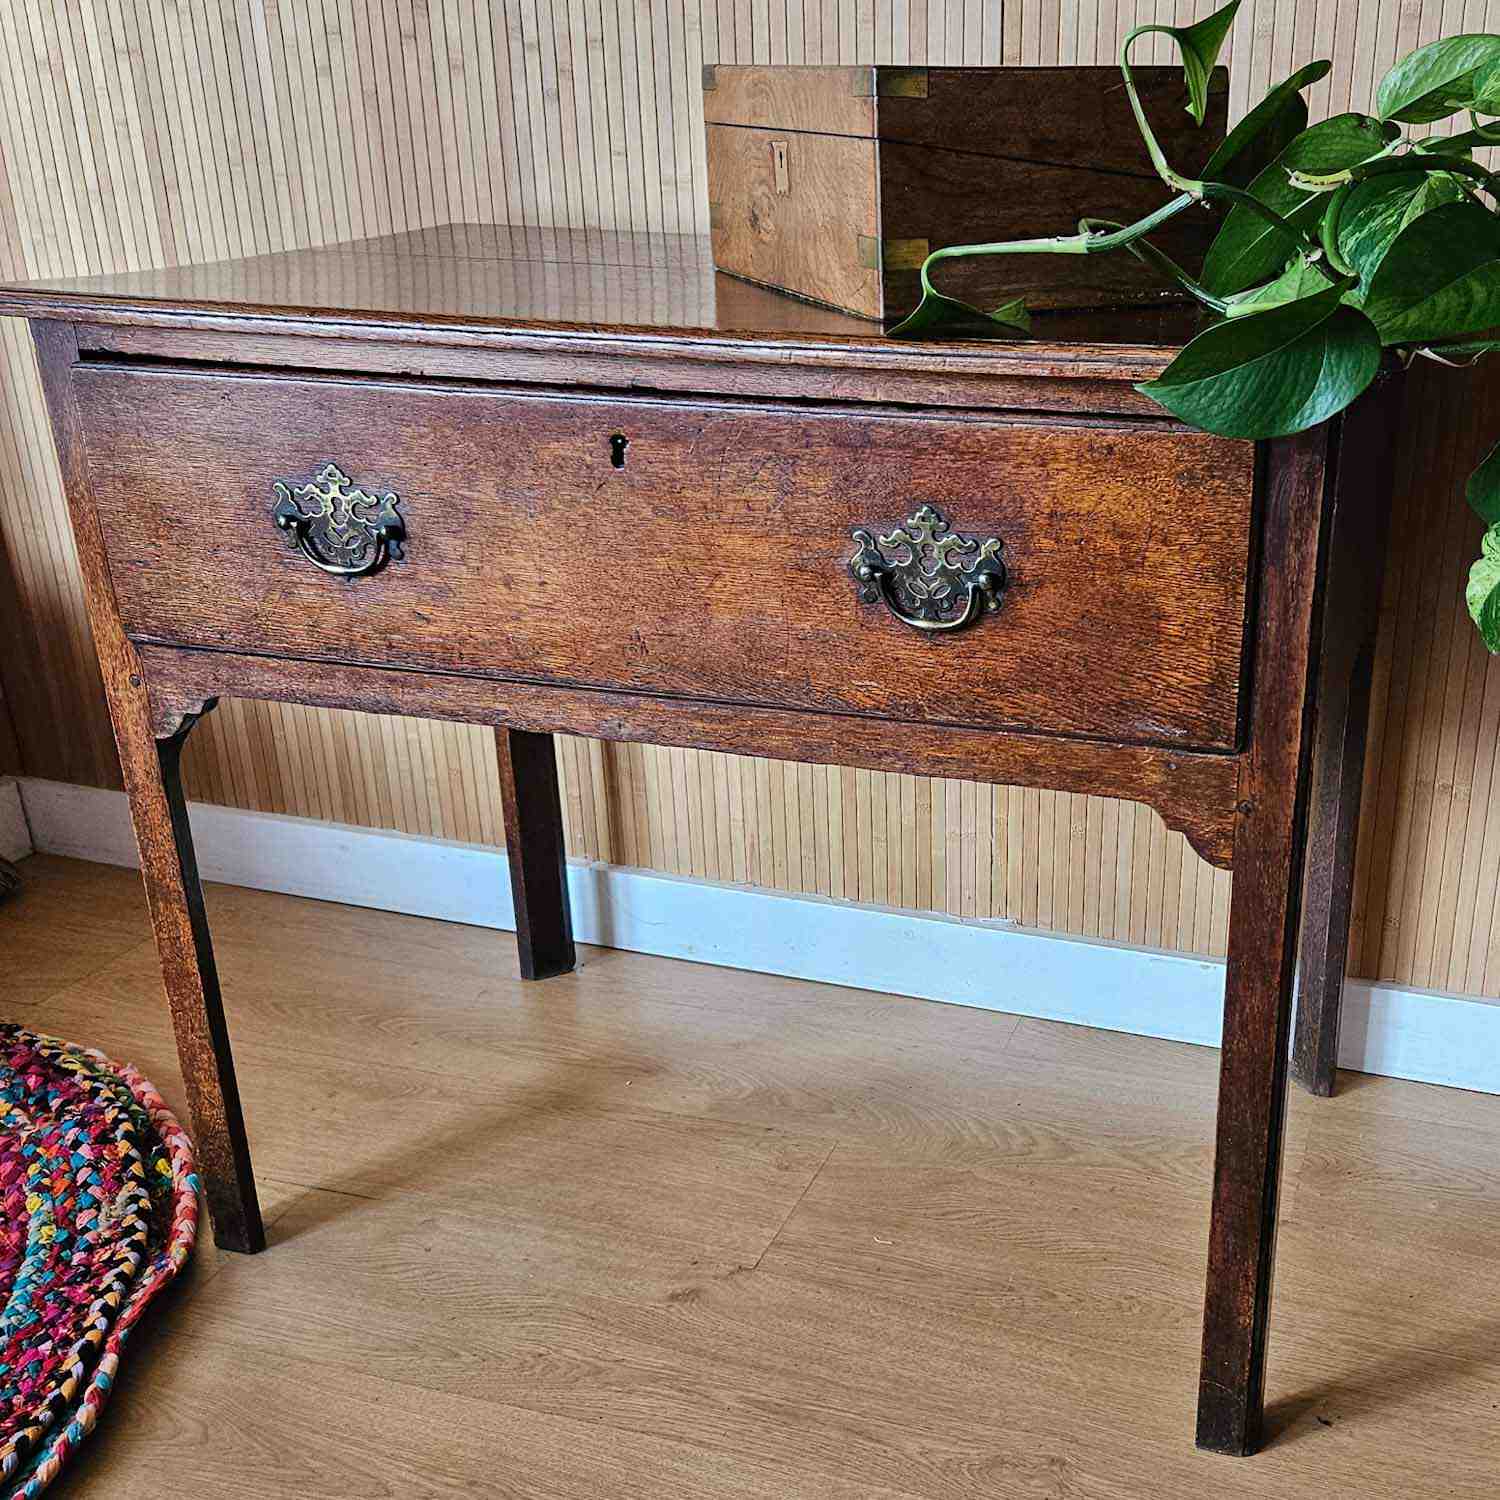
[1247,250]
[1274,372]
[1257,140]
[1485,99]
[1201,44]
[1299,280]
[1378,210]
[1436,80]
[1483,490]
[1483,593]
[1440,278]
[937,316]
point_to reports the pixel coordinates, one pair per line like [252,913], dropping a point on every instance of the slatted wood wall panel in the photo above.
[137,132]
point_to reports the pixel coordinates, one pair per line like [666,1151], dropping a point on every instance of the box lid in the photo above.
[827,100]
[1068,116]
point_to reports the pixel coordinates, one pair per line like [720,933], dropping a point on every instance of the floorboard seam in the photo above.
[1005,1046]
[807,1188]
[87,978]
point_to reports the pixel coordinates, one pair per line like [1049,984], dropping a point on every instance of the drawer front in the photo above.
[686,548]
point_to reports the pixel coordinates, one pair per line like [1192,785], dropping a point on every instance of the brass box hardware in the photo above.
[779,168]
[892,255]
[890,83]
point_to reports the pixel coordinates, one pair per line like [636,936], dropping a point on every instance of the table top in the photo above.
[492,277]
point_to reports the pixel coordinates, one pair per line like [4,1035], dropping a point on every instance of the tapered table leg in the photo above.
[534,844]
[175,896]
[1328,898]
[1269,843]
[1247,1160]
[149,764]
[1351,619]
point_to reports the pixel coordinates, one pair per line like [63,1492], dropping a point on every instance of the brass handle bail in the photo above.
[337,527]
[928,575]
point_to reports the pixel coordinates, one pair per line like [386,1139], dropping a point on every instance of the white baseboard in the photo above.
[15,836]
[1402,1033]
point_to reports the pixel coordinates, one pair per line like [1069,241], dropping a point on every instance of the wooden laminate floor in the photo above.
[662,1230]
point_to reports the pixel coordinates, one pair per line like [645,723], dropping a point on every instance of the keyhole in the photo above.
[617,446]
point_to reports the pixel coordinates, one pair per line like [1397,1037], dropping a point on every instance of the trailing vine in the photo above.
[1340,241]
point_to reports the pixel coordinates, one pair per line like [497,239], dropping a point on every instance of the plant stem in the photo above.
[1191,186]
[1300,238]
[1468,351]
[1089,243]
[1311,182]
[1159,260]
[1084,243]
[1423,161]
[1158,158]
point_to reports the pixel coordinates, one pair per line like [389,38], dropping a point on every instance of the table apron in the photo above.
[1195,793]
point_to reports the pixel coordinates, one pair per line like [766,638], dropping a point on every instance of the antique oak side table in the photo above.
[553,481]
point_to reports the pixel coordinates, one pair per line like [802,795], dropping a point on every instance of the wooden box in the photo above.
[834,183]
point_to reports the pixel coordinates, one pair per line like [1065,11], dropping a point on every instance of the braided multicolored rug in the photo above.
[98,1212]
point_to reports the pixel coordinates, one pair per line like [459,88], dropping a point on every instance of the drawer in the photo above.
[690,549]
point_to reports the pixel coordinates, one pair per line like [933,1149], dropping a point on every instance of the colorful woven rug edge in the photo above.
[98,1214]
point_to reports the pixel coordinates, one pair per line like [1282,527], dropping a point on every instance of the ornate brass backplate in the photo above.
[337,527]
[929,576]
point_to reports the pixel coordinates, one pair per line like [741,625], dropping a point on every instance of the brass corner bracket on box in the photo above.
[890,83]
[892,255]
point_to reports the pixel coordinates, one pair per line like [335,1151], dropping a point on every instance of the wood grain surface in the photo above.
[10,749]
[805,239]
[659,1228]
[139,136]
[828,100]
[1269,848]
[962,197]
[1192,790]
[1075,116]
[476,286]
[1357,543]
[728,526]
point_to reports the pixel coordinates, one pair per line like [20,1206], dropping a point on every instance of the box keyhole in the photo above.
[779,168]
[617,446]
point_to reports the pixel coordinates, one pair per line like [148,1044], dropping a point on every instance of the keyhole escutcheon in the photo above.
[618,443]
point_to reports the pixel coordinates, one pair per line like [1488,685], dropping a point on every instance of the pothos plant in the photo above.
[1339,241]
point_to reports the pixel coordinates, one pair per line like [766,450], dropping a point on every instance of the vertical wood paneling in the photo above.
[135,134]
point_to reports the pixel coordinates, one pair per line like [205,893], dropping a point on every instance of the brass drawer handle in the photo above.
[927,575]
[342,530]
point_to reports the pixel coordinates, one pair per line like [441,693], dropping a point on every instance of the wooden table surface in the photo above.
[499,276]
